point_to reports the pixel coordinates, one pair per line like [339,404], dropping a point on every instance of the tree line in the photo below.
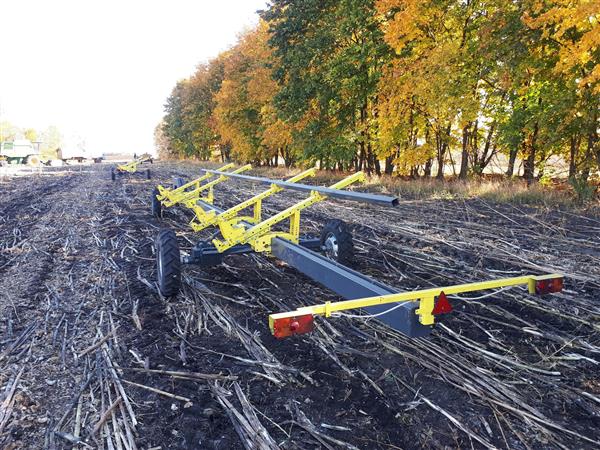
[400,86]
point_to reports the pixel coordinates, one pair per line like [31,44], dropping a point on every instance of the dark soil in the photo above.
[77,300]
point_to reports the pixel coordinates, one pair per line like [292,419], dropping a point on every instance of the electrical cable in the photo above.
[371,316]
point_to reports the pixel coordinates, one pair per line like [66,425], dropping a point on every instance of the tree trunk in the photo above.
[389,165]
[451,158]
[512,157]
[573,155]
[427,169]
[464,161]
[374,159]
[482,162]
[362,156]
[529,164]
[593,149]
[442,144]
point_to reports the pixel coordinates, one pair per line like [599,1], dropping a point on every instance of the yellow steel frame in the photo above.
[131,167]
[170,197]
[425,298]
[260,236]
[204,219]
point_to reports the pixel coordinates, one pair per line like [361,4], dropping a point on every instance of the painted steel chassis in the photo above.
[415,311]
[132,166]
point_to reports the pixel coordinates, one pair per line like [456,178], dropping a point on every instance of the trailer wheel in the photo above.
[113,175]
[336,241]
[32,160]
[168,263]
[148,174]
[156,204]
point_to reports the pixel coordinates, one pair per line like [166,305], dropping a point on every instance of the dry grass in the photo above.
[493,188]
[501,191]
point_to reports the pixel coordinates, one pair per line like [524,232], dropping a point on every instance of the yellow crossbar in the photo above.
[204,219]
[189,198]
[425,297]
[259,235]
[168,195]
[131,166]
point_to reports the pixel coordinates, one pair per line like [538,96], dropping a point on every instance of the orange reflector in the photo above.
[289,326]
[442,306]
[548,286]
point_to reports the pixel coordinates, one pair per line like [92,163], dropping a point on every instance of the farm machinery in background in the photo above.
[23,151]
[413,313]
[20,151]
[131,167]
[76,154]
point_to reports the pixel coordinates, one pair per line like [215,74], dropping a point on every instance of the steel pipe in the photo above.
[345,282]
[364,197]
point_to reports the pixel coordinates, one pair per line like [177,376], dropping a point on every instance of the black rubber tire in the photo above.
[156,205]
[178,182]
[168,263]
[148,174]
[113,176]
[337,231]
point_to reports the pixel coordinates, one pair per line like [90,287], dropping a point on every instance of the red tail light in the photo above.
[442,306]
[548,286]
[289,326]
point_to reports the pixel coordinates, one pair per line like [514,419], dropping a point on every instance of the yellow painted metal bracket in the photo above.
[131,167]
[204,219]
[189,198]
[260,236]
[300,320]
[166,194]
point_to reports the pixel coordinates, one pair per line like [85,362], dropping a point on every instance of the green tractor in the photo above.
[20,151]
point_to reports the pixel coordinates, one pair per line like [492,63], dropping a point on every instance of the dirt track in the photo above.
[80,321]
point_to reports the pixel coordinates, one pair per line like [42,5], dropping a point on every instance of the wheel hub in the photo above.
[331,246]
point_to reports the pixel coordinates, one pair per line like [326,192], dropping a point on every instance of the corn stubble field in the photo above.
[92,357]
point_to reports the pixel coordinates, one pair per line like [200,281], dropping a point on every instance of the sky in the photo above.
[101,71]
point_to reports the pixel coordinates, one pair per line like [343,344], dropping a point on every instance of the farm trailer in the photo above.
[323,259]
[20,151]
[132,167]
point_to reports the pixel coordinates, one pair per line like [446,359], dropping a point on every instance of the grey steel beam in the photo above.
[332,193]
[346,282]
[350,285]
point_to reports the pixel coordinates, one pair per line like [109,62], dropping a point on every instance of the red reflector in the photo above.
[442,306]
[289,326]
[548,286]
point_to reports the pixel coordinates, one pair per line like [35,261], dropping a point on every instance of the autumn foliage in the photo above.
[401,86]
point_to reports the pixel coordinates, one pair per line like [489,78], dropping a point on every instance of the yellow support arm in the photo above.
[131,166]
[167,196]
[204,219]
[189,198]
[301,320]
[259,236]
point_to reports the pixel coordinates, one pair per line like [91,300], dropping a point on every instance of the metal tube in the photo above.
[345,282]
[331,193]
[351,285]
